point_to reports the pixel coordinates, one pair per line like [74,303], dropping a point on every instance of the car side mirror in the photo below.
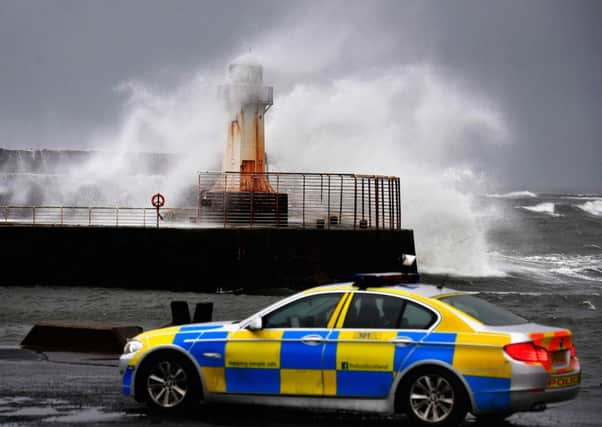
[255,324]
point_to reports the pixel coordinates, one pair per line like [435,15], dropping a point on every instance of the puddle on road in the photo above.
[33,411]
[87,415]
[55,411]
[13,400]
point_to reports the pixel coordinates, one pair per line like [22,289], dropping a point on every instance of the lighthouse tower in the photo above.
[247,101]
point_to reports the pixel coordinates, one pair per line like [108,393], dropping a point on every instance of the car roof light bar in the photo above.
[365,280]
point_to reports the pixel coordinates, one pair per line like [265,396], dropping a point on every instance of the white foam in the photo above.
[514,195]
[531,294]
[593,207]
[588,304]
[581,197]
[545,208]
[557,267]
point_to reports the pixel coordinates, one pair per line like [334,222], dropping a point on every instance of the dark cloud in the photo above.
[62,60]
[540,62]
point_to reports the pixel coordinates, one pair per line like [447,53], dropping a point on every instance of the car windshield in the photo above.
[483,311]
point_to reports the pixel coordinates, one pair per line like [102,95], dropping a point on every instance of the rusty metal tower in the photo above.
[247,101]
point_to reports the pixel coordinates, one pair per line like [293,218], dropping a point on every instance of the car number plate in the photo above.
[559,357]
[564,381]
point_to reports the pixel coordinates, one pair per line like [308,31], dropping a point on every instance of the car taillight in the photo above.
[573,353]
[528,352]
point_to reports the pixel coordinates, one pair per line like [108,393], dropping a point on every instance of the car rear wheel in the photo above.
[168,382]
[434,397]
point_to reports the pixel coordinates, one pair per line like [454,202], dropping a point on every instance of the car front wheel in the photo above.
[434,397]
[169,383]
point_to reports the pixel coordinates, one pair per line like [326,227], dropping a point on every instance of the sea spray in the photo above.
[404,121]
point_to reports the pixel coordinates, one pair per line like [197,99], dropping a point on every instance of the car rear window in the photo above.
[376,311]
[483,311]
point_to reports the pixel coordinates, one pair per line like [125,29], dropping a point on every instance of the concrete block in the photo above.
[79,337]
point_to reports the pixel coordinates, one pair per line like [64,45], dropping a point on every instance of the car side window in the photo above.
[313,311]
[416,317]
[373,311]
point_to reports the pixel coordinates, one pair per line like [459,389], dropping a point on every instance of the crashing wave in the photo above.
[593,208]
[557,266]
[545,208]
[514,195]
[588,304]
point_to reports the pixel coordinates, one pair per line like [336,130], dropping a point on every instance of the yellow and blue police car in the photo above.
[368,345]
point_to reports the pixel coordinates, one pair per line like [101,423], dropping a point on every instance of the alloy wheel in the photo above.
[167,384]
[431,398]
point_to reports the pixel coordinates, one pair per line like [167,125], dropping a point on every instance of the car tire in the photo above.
[434,397]
[168,383]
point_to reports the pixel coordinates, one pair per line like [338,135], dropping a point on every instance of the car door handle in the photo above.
[312,339]
[402,341]
[212,355]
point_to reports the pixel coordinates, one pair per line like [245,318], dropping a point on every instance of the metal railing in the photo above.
[294,200]
[317,200]
[96,216]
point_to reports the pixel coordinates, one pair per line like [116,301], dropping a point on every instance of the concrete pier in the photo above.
[195,259]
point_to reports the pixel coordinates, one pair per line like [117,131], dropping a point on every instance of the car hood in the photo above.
[190,328]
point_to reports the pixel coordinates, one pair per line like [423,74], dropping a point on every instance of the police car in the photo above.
[376,344]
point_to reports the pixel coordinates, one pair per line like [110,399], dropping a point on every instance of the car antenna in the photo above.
[442,284]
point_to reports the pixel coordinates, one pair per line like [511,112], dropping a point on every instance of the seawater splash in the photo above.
[547,208]
[405,121]
[593,207]
[514,195]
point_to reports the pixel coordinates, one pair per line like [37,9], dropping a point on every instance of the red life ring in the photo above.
[158,200]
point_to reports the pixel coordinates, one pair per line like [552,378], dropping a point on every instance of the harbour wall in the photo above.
[195,259]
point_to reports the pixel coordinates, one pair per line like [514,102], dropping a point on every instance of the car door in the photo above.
[285,356]
[375,336]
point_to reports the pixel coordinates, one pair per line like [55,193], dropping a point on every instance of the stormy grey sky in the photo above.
[538,62]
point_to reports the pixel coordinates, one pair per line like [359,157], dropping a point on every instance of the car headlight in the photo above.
[132,346]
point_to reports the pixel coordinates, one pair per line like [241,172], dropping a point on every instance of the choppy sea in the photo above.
[546,248]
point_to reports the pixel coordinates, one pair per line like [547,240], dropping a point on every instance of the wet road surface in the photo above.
[71,389]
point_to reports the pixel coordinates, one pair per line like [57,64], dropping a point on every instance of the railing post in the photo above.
[224,198]
[354,201]
[376,199]
[399,203]
[370,202]
[328,215]
[382,202]
[321,187]
[303,205]
[252,201]
[341,202]
[363,214]
[198,200]
[390,189]
[277,199]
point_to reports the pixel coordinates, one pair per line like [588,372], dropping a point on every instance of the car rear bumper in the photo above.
[537,400]
[531,388]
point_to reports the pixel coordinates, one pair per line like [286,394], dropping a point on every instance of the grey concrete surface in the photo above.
[72,389]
